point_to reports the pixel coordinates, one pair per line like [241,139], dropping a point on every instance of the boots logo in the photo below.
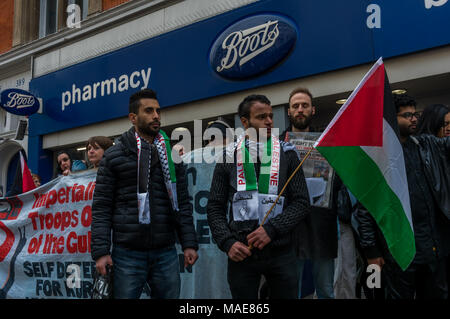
[252,46]
[19,102]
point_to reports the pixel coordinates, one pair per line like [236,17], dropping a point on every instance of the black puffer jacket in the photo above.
[114,204]
[226,231]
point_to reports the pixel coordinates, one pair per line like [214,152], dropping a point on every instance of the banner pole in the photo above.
[282,190]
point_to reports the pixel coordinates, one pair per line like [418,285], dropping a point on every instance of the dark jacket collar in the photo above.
[128,140]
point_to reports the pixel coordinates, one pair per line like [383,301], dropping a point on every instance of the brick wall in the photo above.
[6,25]
[108,4]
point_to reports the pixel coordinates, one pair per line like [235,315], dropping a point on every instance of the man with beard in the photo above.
[427,159]
[141,197]
[316,236]
[244,187]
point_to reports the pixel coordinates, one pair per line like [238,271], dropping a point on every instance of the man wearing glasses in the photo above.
[427,161]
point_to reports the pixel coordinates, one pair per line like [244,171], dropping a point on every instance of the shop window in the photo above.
[53,14]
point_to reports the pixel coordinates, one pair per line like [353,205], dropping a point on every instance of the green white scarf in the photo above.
[270,168]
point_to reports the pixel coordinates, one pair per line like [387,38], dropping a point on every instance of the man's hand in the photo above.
[238,252]
[101,263]
[258,238]
[190,257]
[377,261]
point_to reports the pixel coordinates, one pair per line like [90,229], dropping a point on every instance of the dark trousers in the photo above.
[279,267]
[427,281]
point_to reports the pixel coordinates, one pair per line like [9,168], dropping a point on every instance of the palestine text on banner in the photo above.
[361,143]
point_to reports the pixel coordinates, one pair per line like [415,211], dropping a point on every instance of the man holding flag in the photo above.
[425,276]
[368,151]
[254,171]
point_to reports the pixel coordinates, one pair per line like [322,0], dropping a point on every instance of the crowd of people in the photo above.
[141,208]
[267,258]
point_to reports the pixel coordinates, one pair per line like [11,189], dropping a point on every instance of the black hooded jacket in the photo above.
[115,208]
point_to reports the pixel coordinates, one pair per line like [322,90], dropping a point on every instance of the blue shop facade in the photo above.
[204,69]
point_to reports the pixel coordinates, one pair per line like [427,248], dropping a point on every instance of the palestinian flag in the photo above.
[362,144]
[23,181]
[27,179]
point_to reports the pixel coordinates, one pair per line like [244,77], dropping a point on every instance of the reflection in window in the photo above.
[53,15]
[48,17]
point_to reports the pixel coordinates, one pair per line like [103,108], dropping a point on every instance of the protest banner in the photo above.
[208,278]
[318,173]
[45,238]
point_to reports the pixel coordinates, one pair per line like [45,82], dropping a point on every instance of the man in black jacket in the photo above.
[316,236]
[141,197]
[245,189]
[427,170]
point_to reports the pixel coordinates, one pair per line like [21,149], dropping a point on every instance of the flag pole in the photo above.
[282,190]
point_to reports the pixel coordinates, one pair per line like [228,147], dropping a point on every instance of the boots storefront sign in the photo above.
[253,46]
[19,102]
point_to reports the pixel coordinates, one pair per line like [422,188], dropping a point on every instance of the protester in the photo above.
[427,170]
[36,179]
[213,129]
[316,236]
[435,120]
[95,148]
[179,149]
[145,206]
[258,251]
[66,165]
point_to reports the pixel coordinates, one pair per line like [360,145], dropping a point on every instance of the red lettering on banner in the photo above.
[42,221]
[66,218]
[86,195]
[60,220]
[241,182]
[49,221]
[80,193]
[71,248]
[53,244]
[79,243]
[91,192]
[74,218]
[35,245]
[59,245]
[73,192]
[86,216]
[68,188]
[51,199]
[33,215]
[36,199]
[57,220]
[61,194]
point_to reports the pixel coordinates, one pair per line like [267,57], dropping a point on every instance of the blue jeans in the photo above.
[323,275]
[158,267]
